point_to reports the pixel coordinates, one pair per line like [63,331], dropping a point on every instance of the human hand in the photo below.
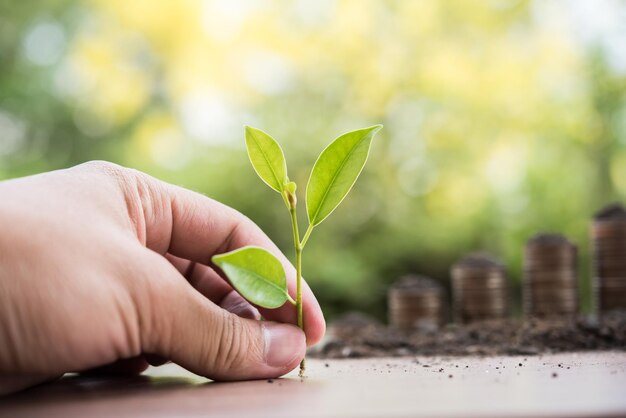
[104,265]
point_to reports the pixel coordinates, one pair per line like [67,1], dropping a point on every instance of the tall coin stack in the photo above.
[416,302]
[608,234]
[550,285]
[479,289]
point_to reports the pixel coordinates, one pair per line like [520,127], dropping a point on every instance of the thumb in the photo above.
[202,337]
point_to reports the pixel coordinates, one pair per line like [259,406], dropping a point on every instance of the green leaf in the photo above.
[290,187]
[256,274]
[336,171]
[267,158]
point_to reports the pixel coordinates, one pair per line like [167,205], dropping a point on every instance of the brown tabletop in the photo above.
[573,384]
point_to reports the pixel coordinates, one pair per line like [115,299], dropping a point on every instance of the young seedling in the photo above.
[254,272]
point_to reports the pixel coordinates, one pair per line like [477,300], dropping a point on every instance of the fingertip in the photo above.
[314,322]
[285,346]
[315,333]
[315,330]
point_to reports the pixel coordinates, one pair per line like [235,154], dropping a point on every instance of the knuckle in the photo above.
[232,347]
[126,177]
[110,173]
[105,167]
[152,208]
[126,336]
[154,300]
[144,196]
[240,228]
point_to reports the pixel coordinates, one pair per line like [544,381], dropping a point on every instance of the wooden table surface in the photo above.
[572,385]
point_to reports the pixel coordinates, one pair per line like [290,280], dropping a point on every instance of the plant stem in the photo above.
[307,234]
[299,299]
[298,248]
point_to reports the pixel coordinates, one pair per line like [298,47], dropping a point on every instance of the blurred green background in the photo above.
[502,117]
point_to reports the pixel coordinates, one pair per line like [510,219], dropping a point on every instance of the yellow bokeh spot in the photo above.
[159,137]
[113,88]
[456,194]
[506,164]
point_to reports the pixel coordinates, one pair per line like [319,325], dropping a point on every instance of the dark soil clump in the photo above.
[356,335]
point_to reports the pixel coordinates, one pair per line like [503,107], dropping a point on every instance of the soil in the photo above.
[358,335]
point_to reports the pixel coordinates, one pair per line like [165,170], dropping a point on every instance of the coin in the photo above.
[416,302]
[608,239]
[538,278]
[479,288]
[550,276]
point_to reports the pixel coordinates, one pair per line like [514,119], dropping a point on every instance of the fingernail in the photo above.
[284,344]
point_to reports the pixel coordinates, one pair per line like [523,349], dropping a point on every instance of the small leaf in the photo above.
[267,158]
[336,171]
[256,274]
[290,187]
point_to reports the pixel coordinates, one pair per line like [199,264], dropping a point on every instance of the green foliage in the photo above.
[267,158]
[290,187]
[256,274]
[336,171]
[332,177]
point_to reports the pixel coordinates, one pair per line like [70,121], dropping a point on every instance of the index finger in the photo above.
[195,227]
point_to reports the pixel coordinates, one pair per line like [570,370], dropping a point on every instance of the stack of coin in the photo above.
[479,289]
[416,302]
[550,286]
[608,234]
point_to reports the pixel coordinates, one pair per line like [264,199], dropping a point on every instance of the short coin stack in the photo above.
[608,234]
[416,302]
[550,286]
[479,289]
